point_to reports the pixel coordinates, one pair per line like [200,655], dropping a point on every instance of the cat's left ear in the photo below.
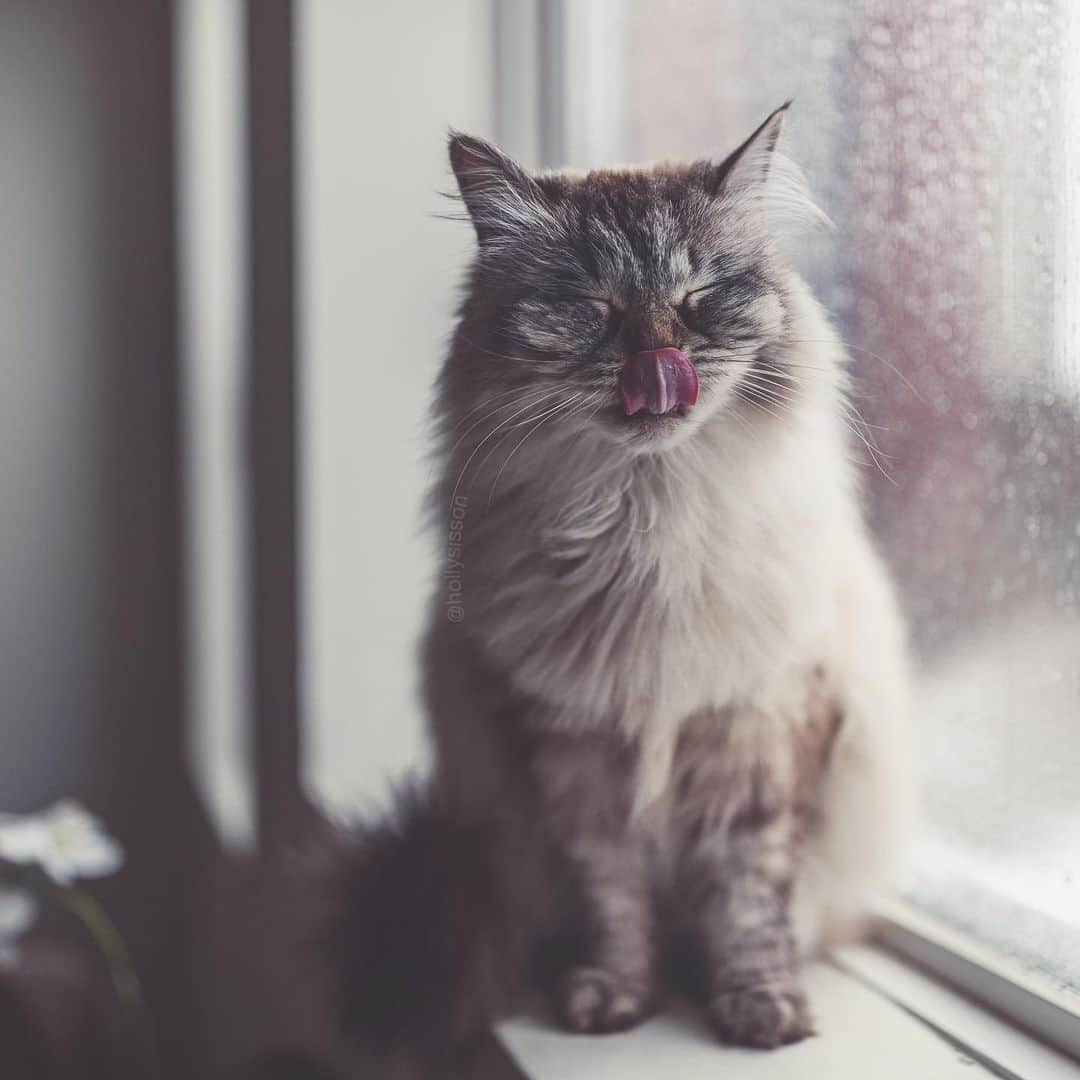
[501,197]
[747,168]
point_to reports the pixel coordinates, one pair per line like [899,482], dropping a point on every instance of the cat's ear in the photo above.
[747,168]
[501,197]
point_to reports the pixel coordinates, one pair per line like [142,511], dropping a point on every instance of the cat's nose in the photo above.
[658,381]
[650,329]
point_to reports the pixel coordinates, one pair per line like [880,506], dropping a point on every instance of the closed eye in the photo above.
[738,284]
[601,303]
[712,287]
[603,307]
[688,305]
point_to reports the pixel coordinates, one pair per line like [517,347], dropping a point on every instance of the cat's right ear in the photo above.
[501,197]
[746,169]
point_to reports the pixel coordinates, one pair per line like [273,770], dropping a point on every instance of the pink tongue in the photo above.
[658,381]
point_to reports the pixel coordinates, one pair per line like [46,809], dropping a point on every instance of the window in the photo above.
[942,139]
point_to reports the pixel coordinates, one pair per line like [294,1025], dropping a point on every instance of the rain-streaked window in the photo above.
[943,139]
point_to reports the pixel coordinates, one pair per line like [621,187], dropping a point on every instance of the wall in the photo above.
[89,597]
[378,85]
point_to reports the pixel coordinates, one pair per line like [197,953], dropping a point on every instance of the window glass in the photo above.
[943,139]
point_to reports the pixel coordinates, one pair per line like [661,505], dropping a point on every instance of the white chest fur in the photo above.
[677,584]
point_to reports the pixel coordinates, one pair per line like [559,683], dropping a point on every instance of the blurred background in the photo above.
[224,295]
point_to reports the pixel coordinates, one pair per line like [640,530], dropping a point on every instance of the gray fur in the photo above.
[680,663]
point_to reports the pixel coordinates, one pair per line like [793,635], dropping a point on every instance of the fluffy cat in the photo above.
[665,669]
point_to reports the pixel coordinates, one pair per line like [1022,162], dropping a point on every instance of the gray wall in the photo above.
[88,530]
[53,407]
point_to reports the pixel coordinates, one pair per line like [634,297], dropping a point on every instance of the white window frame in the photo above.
[559,88]
[559,83]
[1028,1001]
[214,331]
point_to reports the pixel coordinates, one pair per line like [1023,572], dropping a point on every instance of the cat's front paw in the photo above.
[764,1016]
[599,1002]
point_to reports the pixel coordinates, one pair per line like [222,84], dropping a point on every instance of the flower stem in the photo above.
[107,938]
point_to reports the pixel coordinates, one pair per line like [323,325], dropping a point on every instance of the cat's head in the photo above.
[635,301]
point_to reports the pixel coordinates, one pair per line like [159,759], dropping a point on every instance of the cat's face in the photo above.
[640,298]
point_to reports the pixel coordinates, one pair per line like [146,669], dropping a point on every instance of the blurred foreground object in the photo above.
[57,1016]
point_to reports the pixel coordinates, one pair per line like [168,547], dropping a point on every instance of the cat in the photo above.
[665,668]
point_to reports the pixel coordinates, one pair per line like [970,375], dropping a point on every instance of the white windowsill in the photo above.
[878,1018]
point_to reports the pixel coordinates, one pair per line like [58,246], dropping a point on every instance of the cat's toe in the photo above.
[598,1002]
[763,1016]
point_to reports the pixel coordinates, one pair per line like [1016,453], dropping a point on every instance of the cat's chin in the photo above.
[648,433]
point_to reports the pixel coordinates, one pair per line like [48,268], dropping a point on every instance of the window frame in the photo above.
[1026,1000]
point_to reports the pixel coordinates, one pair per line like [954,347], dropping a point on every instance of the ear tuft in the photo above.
[470,155]
[761,176]
[748,166]
[500,196]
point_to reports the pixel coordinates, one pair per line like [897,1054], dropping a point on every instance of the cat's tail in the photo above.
[429,944]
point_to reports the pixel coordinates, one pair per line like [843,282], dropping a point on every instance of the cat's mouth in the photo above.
[658,382]
[657,390]
[647,421]
[645,430]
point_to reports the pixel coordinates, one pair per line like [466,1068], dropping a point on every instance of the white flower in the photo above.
[66,841]
[18,910]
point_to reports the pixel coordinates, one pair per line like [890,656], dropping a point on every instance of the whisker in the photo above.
[774,391]
[546,362]
[544,407]
[479,445]
[539,424]
[533,396]
[734,354]
[488,401]
[750,397]
[760,382]
[872,452]
[867,352]
[784,365]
